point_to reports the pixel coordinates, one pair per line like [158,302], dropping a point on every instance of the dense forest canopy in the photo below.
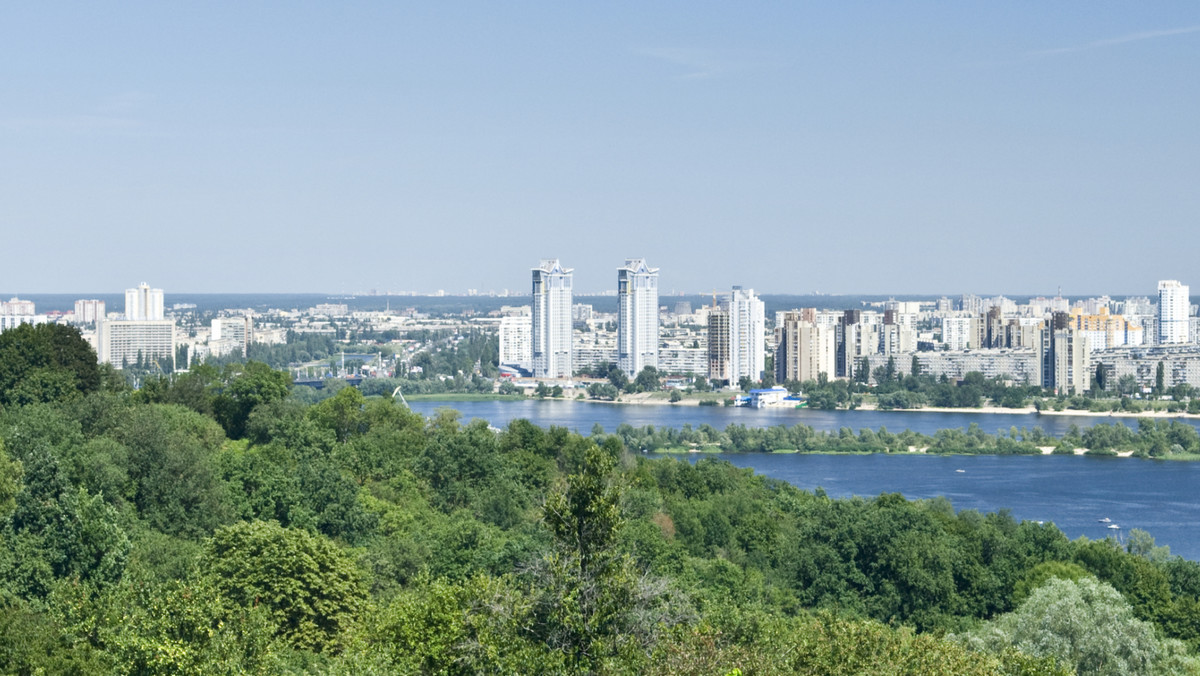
[214,523]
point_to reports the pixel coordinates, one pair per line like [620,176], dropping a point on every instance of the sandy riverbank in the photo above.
[933,409]
[1122,414]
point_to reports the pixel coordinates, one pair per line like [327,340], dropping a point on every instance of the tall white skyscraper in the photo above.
[551,320]
[1174,306]
[144,303]
[637,316]
[747,349]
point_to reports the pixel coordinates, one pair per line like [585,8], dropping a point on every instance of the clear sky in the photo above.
[884,147]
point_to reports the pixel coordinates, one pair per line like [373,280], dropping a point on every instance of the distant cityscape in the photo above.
[728,340]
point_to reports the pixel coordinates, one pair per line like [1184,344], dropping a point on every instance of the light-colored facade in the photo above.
[1065,360]
[683,360]
[1021,365]
[16,312]
[231,335]
[8,321]
[551,320]
[1174,306]
[516,341]
[16,306]
[747,340]
[144,303]
[122,342]
[90,311]
[1104,330]
[958,332]
[637,316]
[804,350]
[897,339]
[1181,364]
[330,309]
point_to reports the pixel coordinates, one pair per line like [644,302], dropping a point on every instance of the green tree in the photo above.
[1160,376]
[618,379]
[342,413]
[602,391]
[247,386]
[47,362]
[10,482]
[1085,624]
[56,532]
[313,591]
[473,627]
[647,379]
[863,374]
[173,478]
[594,606]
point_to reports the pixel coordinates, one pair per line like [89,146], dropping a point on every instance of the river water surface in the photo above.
[1073,492]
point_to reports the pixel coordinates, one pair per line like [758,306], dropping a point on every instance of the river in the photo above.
[1073,492]
[580,416]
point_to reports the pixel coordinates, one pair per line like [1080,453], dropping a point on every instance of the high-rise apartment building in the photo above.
[718,345]
[1104,330]
[126,342]
[747,342]
[804,350]
[516,341]
[89,311]
[143,336]
[16,306]
[1174,306]
[1064,357]
[551,320]
[143,303]
[231,334]
[637,316]
[15,312]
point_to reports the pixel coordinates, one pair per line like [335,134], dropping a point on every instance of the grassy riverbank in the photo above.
[1159,439]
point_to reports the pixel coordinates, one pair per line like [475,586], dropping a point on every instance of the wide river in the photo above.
[1073,492]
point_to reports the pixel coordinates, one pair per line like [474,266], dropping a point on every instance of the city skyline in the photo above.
[911,149]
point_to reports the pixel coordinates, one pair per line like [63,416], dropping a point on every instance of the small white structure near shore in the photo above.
[771,396]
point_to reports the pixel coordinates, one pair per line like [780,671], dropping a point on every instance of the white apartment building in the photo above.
[957,332]
[8,321]
[551,320]
[122,342]
[804,350]
[230,335]
[16,306]
[1174,307]
[15,312]
[90,311]
[144,303]
[516,341]
[747,342]
[637,316]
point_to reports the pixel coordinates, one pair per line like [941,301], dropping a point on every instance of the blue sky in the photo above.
[791,147]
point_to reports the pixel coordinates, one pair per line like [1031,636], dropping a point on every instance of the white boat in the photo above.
[1114,526]
[1105,520]
[961,471]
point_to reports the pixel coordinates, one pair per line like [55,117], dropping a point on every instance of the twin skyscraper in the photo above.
[637,318]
